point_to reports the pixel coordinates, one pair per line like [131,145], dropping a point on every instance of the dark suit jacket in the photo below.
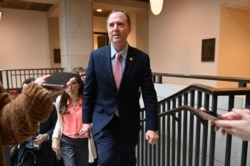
[46,150]
[101,97]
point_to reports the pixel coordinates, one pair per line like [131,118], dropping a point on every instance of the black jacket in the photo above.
[45,151]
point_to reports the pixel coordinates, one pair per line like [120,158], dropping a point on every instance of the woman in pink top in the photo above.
[67,143]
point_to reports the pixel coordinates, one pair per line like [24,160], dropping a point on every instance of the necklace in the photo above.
[74,104]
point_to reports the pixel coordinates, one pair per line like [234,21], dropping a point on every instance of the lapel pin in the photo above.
[131,59]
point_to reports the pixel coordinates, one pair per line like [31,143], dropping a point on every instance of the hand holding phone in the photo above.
[58,80]
[208,115]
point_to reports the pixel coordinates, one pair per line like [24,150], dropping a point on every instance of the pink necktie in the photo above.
[117,70]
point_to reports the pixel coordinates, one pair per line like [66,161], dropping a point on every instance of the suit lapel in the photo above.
[107,62]
[128,64]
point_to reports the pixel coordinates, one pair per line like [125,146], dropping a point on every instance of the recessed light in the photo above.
[99,10]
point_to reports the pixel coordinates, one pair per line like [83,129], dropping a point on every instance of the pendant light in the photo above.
[156,6]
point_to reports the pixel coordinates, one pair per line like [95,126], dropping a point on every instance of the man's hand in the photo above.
[86,130]
[40,138]
[152,136]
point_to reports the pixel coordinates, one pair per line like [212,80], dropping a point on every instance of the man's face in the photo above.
[118,29]
[83,75]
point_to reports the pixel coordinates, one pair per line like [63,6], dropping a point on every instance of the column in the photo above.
[76,32]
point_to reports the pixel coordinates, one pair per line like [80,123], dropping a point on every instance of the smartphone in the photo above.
[208,115]
[58,80]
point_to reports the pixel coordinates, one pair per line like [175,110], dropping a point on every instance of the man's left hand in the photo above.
[152,136]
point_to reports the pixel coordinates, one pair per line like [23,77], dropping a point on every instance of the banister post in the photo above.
[159,79]
[242,84]
[1,76]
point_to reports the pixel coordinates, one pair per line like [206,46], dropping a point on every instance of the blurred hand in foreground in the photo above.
[235,122]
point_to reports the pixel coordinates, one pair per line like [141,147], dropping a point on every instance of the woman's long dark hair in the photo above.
[64,96]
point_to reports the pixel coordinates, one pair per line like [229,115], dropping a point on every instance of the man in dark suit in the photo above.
[37,151]
[114,110]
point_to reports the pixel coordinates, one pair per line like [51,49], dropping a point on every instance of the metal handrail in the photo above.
[242,82]
[12,79]
[179,117]
[183,126]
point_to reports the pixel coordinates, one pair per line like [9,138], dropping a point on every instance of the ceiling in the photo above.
[45,5]
[17,4]
[36,5]
[239,4]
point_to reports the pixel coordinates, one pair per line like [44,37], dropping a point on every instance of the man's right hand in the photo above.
[86,130]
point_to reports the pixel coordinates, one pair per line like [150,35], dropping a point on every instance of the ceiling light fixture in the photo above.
[1,15]
[156,6]
[99,10]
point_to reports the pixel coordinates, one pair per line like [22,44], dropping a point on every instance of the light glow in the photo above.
[99,10]
[1,14]
[156,6]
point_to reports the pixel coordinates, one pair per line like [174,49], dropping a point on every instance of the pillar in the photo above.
[76,32]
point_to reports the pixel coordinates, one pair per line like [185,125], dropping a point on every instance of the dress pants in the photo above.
[74,151]
[113,148]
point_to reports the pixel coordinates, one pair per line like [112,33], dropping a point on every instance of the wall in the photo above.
[142,30]
[34,36]
[234,53]
[24,40]
[100,24]
[54,39]
[175,38]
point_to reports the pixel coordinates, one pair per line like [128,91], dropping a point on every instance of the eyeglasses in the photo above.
[73,84]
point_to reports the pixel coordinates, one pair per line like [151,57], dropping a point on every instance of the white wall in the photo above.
[24,40]
[176,34]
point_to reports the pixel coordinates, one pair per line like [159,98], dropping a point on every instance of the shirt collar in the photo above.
[124,52]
